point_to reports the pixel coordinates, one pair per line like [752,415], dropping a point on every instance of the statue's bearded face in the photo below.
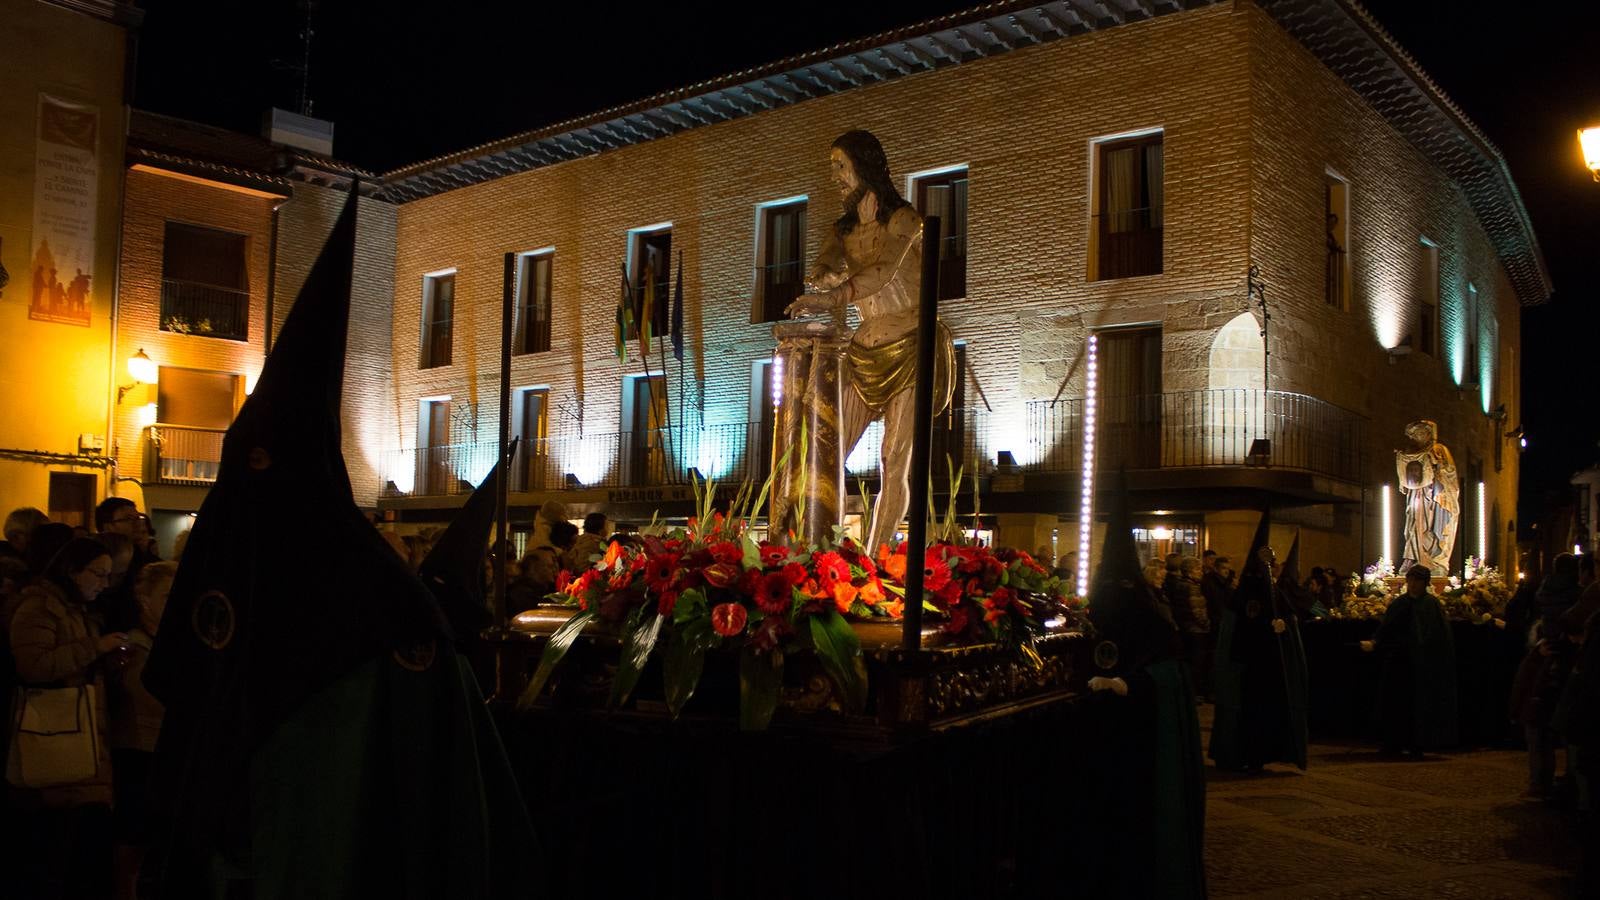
[844,177]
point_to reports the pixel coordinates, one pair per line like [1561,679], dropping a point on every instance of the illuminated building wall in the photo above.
[57,376]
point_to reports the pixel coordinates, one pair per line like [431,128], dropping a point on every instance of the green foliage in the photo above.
[554,650]
[643,629]
[840,652]
[760,682]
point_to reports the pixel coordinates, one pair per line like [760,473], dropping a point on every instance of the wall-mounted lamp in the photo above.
[143,370]
[573,484]
[1589,143]
[695,477]
[1006,461]
[1401,349]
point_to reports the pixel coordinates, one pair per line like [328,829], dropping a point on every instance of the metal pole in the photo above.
[921,434]
[502,481]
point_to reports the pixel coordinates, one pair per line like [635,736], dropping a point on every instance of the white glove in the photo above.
[1114,685]
[1279,626]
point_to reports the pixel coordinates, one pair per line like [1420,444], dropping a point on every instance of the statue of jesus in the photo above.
[872,259]
[1428,478]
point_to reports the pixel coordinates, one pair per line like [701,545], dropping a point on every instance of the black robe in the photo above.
[1417,693]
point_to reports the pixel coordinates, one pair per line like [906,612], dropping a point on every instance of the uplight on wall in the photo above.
[1086,505]
[1589,143]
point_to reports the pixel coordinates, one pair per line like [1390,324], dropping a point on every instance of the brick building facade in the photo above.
[1235,135]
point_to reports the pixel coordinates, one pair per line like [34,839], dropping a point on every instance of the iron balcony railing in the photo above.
[1199,429]
[182,454]
[960,440]
[193,308]
[728,453]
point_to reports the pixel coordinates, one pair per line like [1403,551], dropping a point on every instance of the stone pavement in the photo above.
[1354,825]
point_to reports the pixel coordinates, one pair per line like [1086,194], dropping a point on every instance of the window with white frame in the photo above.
[780,256]
[1130,206]
[533,301]
[438,314]
[944,194]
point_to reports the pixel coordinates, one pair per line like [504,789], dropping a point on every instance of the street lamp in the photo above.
[1589,141]
[144,371]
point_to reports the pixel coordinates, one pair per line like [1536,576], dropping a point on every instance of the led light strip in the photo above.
[1388,526]
[1086,505]
[777,382]
[1483,526]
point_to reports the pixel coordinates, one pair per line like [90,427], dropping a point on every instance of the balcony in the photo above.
[185,455]
[193,308]
[1201,429]
[730,454]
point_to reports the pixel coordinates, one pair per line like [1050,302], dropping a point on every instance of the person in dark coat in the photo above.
[322,736]
[1417,693]
[1543,673]
[1260,671]
[1149,779]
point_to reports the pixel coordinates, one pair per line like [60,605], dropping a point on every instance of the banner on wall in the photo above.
[65,176]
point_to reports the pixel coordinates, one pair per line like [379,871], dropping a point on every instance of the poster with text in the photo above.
[65,175]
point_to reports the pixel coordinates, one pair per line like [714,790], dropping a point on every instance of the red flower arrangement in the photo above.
[715,586]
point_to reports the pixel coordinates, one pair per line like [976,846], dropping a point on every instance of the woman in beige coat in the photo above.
[57,644]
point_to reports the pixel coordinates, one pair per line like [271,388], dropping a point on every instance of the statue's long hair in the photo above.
[872,174]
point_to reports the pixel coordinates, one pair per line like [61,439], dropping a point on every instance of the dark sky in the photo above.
[404,84]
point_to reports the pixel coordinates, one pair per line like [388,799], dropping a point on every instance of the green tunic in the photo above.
[1417,695]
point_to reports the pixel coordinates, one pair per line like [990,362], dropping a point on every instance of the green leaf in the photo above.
[752,553]
[685,659]
[691,605]
[636,646]
[554,650]
[840,652]
[760,679]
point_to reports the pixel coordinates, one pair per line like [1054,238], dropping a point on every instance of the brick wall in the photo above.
[1251,122]
[153,199]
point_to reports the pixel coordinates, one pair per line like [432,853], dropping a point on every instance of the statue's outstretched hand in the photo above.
[810,304]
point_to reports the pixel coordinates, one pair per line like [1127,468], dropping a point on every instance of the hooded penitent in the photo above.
[1260,670]
[1293,597]
[453,569]
[321,736]
[1149,791]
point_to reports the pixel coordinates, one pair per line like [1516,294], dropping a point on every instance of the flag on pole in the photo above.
[677,313]
[624,316]
[647,309]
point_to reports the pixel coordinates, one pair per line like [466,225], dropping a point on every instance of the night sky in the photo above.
[405,84]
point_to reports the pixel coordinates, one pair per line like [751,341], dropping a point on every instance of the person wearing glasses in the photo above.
[56,643]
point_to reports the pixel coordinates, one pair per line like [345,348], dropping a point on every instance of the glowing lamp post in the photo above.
[1589,141]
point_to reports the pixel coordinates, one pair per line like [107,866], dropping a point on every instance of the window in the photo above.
[438,314]
[71,499]
[650,261]
[1129,208]
[205,288]
[780,255]
[533,301]
[763,418]
[1428,305]
[1336,283]
[944,194]
[531,421]
[193,408]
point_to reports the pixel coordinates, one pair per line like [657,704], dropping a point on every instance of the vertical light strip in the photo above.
[1483,526]
[777,382]
[1086,505]
[1388,527]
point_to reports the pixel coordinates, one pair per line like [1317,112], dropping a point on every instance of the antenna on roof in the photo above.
[309,8]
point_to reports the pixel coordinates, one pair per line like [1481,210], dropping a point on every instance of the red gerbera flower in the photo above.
[773,555]
[935,571]
[774,594]
[749,582]
[726,552]
[727,619]
[795,573]
[659,571]
[831,568]
[950,594]
[958,620]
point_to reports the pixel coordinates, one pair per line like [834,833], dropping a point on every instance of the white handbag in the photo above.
[54,739]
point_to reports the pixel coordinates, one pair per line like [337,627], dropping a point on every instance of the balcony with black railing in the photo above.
[1201,429]
[191,307]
